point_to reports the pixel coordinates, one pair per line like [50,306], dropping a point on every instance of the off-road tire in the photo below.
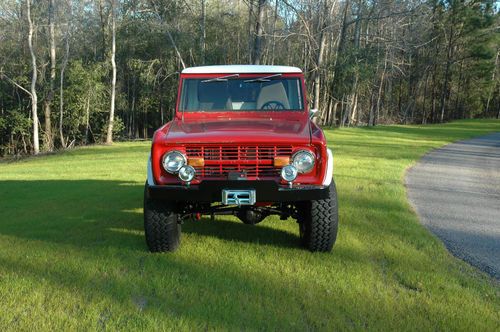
[318,222]
[161,227]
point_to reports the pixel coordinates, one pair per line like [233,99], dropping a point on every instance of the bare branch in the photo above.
[3,76]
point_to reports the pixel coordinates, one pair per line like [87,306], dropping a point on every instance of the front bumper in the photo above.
[211,191]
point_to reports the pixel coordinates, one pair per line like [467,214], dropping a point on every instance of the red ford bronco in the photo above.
[242,143]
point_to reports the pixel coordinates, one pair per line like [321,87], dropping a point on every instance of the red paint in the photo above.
[241,131]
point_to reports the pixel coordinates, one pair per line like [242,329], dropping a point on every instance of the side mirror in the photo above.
[313,112]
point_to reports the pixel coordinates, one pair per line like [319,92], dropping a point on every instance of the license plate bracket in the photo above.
[238,197]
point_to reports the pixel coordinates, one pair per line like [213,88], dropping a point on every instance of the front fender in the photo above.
[150,179]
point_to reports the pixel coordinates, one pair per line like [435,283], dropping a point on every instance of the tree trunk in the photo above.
[34,98]
[250,30]
[161,112]
[459,89]
[329,112]
[61,79]
[109,137]
[103,30]
[273,55]
[87,119]
[371,113]
[342,112]
[380,89]
[259,31]
[493,86]
[324,21]
[132,108]
[333,121]
[447,72]
[354,110]
[338,53]
[145,124]
[203,45]
[183,64]
[424,115]
[48,137]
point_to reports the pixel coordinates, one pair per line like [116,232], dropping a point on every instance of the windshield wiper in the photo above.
[220,79]
[263,79]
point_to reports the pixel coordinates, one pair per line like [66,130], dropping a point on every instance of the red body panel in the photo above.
[240,130]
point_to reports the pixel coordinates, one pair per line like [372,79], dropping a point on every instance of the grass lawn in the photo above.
[73,256]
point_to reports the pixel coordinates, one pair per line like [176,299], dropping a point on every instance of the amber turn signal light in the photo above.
[281,161]
[196,162]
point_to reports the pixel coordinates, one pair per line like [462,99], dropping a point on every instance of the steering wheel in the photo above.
[273,105]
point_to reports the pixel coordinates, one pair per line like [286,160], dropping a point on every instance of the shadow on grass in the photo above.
[89,213]
[240,232]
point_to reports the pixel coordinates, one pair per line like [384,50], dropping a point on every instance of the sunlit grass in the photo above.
[72,252]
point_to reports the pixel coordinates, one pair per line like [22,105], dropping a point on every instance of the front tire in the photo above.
[318,222]
[161,227]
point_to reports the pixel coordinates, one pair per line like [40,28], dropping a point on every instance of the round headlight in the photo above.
[303,160]
[187,173]
[289,173]
[173,161]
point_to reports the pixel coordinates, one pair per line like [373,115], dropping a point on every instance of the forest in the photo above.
[77,72]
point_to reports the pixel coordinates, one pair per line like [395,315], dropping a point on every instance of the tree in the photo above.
[203,23]
[259,31]
[109,137]
[61,78]
[324,22]
[34,97]
[48,136]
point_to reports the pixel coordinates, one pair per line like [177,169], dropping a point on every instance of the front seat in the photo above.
[273,92]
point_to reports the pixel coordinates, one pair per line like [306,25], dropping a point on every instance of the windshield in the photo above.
[231,93]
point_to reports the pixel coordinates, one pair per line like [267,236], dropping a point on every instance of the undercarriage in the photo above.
[248,214]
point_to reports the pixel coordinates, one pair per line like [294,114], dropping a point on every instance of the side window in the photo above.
[190,101]
[294,94]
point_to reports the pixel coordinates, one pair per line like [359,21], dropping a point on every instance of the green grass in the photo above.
[73,257]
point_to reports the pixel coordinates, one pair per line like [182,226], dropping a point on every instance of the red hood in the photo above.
[226,130]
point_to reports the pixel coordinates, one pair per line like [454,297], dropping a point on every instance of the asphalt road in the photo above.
[456,193]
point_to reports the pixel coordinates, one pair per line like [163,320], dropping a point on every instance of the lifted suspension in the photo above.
[248,214]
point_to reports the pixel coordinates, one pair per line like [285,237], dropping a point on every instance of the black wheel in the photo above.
[161,227]
[318,222]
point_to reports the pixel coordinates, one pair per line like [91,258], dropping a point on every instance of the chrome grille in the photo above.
[255,161]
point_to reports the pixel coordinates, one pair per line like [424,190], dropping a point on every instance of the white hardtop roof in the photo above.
[241,69]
